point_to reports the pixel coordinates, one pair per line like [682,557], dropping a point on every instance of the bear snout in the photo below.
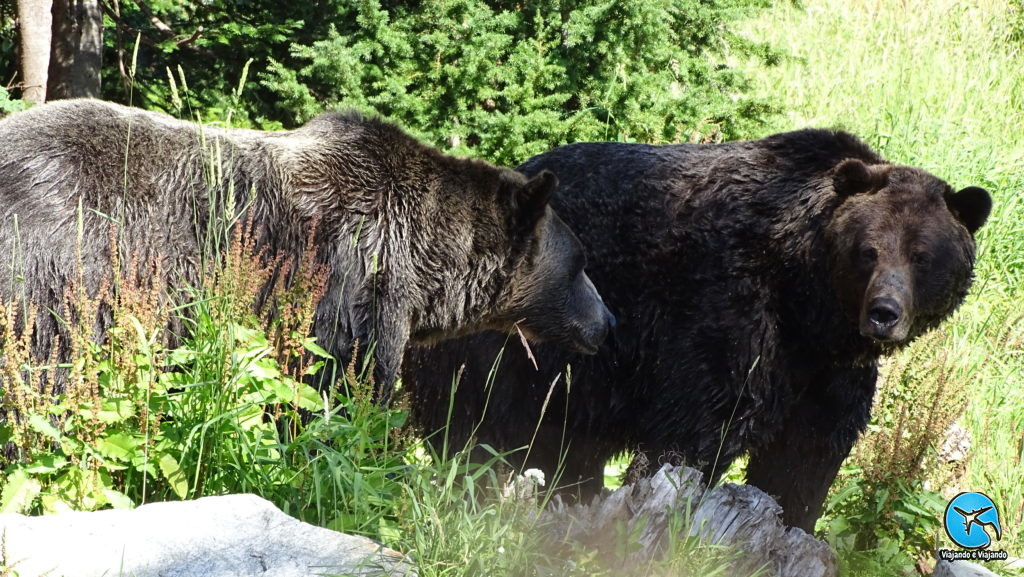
[885,312]
[589,337]
[887,305]
[883,320]
[594,322]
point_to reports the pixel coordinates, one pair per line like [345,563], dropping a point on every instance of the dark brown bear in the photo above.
[756,286]
[421,246]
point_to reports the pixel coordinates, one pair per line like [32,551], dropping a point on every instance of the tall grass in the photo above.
[940,85]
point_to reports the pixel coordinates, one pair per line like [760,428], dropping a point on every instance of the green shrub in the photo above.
[496,79]
[8,105]
[507,80]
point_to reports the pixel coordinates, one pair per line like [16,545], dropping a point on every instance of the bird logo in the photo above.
[969,516]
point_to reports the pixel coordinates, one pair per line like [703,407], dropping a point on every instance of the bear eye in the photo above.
[868,254]
[921,258]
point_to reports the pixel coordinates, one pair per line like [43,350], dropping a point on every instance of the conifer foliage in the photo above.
[506,80]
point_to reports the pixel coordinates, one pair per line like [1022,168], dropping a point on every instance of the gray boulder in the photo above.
[233,535]
[960,569]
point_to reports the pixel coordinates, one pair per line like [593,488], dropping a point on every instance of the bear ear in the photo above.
[971,206]
[852,176]
[532,199]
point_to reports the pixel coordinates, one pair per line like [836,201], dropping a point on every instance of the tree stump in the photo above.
[740,517]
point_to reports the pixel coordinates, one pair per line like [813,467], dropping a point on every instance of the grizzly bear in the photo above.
[420,246]
[756,285]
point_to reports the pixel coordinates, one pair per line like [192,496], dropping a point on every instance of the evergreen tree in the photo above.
[506,80]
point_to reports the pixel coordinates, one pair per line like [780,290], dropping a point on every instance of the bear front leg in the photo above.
[392,338]
[799,464]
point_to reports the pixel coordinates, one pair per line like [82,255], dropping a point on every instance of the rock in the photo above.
[951,466]
[233,535]
[956,445]
[741,517]
[960,569]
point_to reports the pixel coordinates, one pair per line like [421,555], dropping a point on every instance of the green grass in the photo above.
[939,85]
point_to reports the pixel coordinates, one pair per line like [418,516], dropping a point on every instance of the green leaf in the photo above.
[309,398]
[881,499]
[115,411]
[263,370]
[249,417]
[6,432]
[311,346]
[182,356]
[175,476]
[55,504]
[46,464]
[907,519]
[285,392]
[315,367]
[389,530]
[140,336]
[20,491]
[839,526]
[117,499]
[39,424]
[118,446]
[397,419]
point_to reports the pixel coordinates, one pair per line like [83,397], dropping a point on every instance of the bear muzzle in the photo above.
[883,319]
[588,339]
[886,312]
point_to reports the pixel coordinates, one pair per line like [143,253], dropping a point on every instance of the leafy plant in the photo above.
[883,523]
[9,105]
[507,81]
[883,511]
[226,411]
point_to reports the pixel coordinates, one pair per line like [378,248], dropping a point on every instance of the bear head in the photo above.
[549,296]
[902,248]
[524,268]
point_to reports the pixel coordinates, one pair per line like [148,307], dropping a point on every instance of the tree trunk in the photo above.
[77,53]
[740,517]
[34,28]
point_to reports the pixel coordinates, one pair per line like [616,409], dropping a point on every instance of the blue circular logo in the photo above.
[972,520]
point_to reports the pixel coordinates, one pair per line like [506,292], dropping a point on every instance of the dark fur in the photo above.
[421,246]
[739,276]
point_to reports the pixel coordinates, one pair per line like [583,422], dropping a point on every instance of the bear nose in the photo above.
[884,312]
[591,338]
[605,328]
